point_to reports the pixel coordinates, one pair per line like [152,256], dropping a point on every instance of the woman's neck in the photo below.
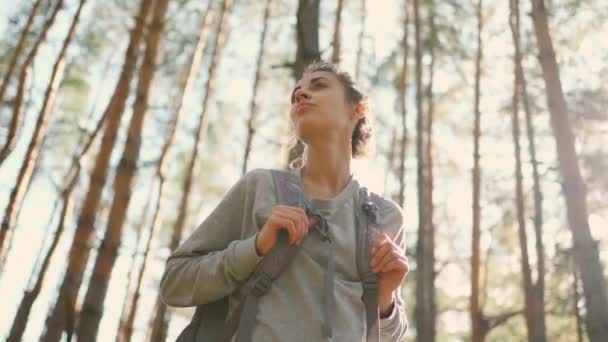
[326,171]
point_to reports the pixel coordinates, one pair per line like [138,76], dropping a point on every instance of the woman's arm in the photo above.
[393,327]
[219,255]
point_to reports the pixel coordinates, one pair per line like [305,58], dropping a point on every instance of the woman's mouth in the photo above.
[303,107]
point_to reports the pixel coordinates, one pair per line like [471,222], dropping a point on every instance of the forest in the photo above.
[123,123]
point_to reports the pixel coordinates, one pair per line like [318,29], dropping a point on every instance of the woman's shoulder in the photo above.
[391,216]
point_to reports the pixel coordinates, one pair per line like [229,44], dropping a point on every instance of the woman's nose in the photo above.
[300,95]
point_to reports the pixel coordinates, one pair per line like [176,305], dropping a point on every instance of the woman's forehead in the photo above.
[309,77]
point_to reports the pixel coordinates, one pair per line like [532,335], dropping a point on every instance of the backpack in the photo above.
[207,318]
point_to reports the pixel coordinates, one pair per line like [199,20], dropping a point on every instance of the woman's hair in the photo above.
[362,134]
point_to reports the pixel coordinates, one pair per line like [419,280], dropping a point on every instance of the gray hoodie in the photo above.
[220,255]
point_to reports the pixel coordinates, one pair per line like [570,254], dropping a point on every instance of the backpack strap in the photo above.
[367,229]
[288,190]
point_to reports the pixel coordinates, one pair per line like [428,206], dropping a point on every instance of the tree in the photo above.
[6,229]
[573,187]
[160,321]
[253,106]
[92,309]
[478,325]
[131,302]
[335,54]
[26,170]
[533,298]
[63,310]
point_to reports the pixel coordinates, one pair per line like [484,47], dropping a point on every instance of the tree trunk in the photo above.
[160,319]
[520,211]
[358,62]
[307,32]
[429,254]
[6,231]
[26,170]
[67,204]
[253,107]
[534,304]
[403,85]
[12,64]
[79,252]
[577,298]
[335,54]
[424,311]
[479,326]
[585,248]
[92,309]
[131,302]
[539,286]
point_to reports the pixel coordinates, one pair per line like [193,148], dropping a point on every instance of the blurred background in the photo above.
[123,123]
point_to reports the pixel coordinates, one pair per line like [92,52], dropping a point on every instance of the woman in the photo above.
[330,117]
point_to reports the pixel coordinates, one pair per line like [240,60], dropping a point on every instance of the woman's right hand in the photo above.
[292,219]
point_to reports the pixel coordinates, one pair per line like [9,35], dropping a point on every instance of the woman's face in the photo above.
[319,109]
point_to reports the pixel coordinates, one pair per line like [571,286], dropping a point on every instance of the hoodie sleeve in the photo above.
[394,327]
[219,255]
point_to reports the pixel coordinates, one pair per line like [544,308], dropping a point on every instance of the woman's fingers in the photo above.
[383,252]
[283,222]
[299,219]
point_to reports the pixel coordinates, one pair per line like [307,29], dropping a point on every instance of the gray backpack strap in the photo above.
[367,229]
[288,190]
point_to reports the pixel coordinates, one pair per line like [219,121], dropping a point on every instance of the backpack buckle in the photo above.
[261,285]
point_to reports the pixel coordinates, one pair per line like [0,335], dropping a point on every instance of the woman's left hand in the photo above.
[390,261]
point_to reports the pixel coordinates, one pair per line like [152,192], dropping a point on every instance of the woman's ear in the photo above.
[360,110]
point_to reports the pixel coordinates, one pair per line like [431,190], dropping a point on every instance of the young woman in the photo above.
[330,117]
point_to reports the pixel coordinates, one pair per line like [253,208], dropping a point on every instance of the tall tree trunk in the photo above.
[131,303]
[539,286]
[12,64]
[335,54]
[519,201]
[585,249]
[307,32]
[9,144]
[424,310]
[577,298]
[92,309]
[479,327]
[65,216]
[26,170]
[534,304]
[79,252]
[359,59]
[253,106]
[160,319]
[429,252]
[403,85]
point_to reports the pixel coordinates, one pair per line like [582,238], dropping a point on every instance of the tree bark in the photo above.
[335,54]
[534,303]
[403,86]
[11,212]
[67,207]
[92,309]
[131,302]
[160,319]
[12,64]
[359,59]
[479,325]
[424,311]
[79,252]
[6,229]
[585,249]
[253,106]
